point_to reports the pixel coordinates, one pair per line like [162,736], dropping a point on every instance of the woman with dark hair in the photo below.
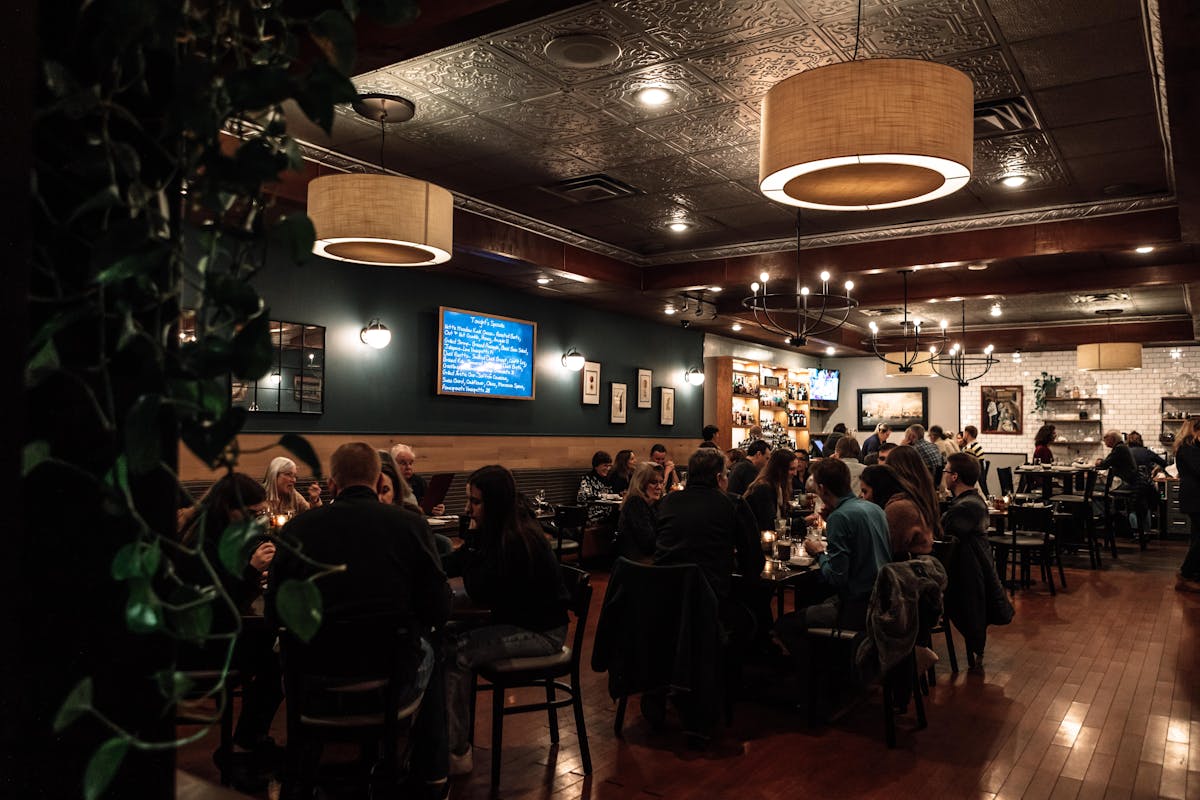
[232,499]
[1041,444]
[594,485]
[509,568]
[709,434]
[635,529]
[1187,458]
[394,490]
[917,482]
[910,530]
[770,494]
[827,449]
[622,471]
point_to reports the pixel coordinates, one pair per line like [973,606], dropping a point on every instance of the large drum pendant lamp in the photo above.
[384,220]
[381,219]
[867,135]
[1108,355]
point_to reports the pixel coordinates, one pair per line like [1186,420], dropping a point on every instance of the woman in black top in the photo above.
[622,471]
[509,568]
[769,496]
[1187,458]
[635,531]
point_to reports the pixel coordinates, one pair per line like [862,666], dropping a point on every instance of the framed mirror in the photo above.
[296,381]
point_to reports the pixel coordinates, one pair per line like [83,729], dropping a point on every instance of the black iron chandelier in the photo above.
[957,365]
[908,352]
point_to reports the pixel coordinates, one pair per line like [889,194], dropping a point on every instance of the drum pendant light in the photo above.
[865,135]
[380,219]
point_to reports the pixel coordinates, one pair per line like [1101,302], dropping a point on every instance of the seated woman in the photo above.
[394,491]
[1041,444]
[622,471]
[635,529]
[510,569]
[595,484]
[769,495]
[280,483]
[917,483]
[228,500]
[910,526]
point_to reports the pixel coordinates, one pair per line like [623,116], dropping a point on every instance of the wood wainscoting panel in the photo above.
[453,453]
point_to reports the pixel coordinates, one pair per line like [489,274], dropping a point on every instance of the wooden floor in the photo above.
[1092,693]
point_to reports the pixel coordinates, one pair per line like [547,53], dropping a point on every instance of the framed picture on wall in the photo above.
[645,390]
[898,409]
[620,403]
[1000,409]
[666,411]
[591,383]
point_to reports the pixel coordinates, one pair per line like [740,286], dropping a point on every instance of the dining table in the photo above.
[1047,475]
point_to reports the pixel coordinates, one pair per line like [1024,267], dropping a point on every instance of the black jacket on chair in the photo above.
[975,597]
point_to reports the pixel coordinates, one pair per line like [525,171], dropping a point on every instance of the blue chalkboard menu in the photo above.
[482,355]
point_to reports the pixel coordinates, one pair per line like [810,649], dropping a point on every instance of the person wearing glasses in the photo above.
[635,529]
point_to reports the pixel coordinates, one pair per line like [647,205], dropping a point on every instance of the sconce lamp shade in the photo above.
[694,377]
[383,220]
[376,334]
[573,360]
[867,135]
[923,366]
[1109,356]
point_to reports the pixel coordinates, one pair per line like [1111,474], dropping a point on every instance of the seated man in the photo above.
[658,454]
[406,458]
[968,441]
[744,472]
[858,545]
[914,436]
[391,567]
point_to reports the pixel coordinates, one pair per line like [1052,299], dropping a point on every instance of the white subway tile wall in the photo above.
[1131,400]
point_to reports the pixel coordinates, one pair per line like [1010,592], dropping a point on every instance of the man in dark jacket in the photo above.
[975,597]
[704,525]
[744,472]
[391,567]
[1121,463]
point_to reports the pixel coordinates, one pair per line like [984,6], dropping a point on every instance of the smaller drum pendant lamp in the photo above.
[380,219]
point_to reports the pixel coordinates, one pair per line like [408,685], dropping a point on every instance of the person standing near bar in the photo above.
[873,442]
[1187,457]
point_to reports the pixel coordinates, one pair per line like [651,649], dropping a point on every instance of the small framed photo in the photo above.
[591,383]
[306,388]
[620,403]
[645,391]
[666,411]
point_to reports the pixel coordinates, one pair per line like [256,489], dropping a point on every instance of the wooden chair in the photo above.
[1082,527]
[205,704]
[984,466]
[541,672]
[1032,536]
[945,551]
[569,524]
[1005,476]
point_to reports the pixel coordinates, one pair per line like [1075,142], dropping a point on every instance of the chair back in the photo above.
[984,465]
[570,517]
[1005,476]
[579,592]
[1031,520]
[1089,484]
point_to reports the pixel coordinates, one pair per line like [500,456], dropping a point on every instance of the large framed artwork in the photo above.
[620,403]
[898,408]
[1000,409]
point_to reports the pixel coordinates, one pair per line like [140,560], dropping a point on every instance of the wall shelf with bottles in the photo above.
[1174,410]
[741,394]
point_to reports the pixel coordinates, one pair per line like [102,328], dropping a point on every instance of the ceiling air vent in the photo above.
[590,189]
[1100,297]
[1003,117]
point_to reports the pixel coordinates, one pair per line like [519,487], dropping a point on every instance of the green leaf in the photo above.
[143,434]
[299,606]
[322,89]
[173,685]
[103,766]
[297,234]
[106,198]
[299,447]
[136,560]
[334,34]
[132,265]
[43,362]
[208,439]
[295,156]
[118,475]
[195,622]
[77,703]
[259,87]
[235,545]
[253,354]
[33,454]
[143,612]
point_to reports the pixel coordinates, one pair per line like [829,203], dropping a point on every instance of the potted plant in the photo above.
[1044,386]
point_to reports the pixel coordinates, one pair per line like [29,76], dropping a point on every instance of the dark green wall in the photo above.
[392,390]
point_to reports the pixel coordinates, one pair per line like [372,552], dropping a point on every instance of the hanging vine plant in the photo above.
[156,126]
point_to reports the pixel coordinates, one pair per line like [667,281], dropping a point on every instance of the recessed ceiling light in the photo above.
[715,289]
[829,351]
[735,326]
[544,281]
[996,310]
[1014,181]
[977,267]
[679,226]
[1144,249]
[669,310]
[654,96]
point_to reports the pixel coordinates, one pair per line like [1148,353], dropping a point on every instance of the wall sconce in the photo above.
[376,334]
[573,360]
[693,376]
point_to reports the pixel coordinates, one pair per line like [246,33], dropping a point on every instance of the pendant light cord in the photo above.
[382,138]
[858,30]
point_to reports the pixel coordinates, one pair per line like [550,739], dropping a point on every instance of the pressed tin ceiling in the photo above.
[498,121]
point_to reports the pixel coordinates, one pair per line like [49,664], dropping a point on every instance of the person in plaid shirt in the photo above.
[914,436]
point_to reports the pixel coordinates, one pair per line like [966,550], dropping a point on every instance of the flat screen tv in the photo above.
[484,355]
[824,384]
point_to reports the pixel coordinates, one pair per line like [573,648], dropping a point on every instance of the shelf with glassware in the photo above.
[747,393]
[1174,410]
[1078,421]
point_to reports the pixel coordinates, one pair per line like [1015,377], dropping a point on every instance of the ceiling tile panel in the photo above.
[477,76]
[430,108]
[665,174]
[1128,133]
[552,117]
[715,195]
[750,70]
[1129,172]
[1095,101]
[721,126]
[990,73]
[467,137]
[687,26]
[619,94]
[1030,19]
[930,30]
[1065,59]
[738,163]
[1028,154]
[611,148]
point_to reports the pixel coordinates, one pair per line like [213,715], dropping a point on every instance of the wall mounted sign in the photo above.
[483,355]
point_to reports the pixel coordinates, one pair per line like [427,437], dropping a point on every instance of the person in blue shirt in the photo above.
[857,546]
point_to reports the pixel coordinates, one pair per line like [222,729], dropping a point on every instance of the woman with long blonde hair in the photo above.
[1187,460]
[635,529]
